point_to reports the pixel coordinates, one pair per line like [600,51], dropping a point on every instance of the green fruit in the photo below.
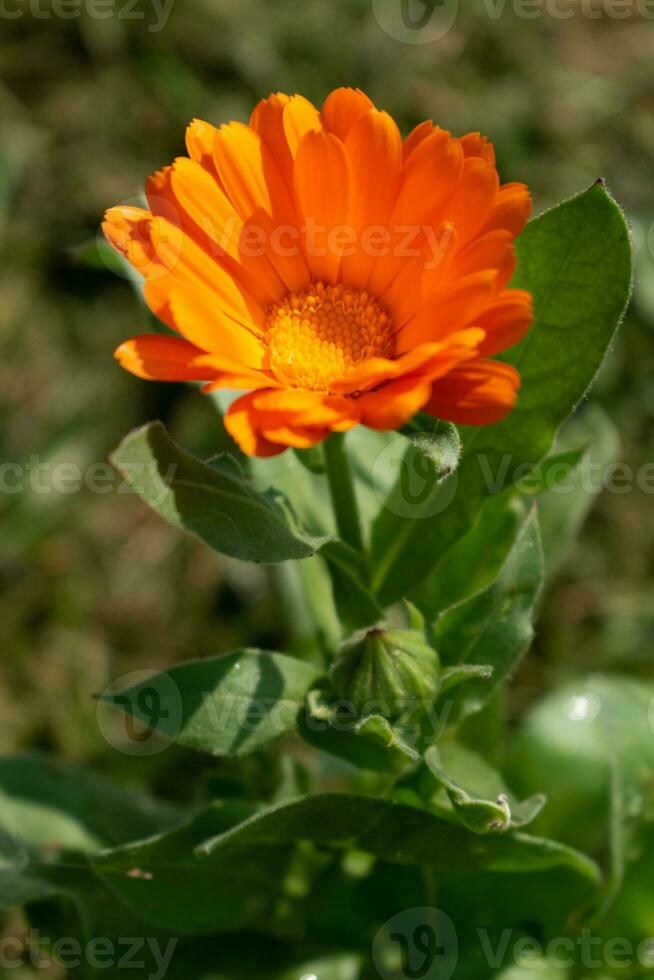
[385,671]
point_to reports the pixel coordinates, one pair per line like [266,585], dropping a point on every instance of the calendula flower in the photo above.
[338,274]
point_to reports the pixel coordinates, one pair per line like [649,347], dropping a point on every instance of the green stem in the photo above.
[341,488]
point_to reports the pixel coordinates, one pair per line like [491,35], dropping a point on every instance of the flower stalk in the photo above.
[341,490]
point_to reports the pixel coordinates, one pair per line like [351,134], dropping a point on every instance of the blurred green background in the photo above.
[93,585]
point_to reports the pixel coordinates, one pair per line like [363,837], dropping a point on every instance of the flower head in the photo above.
[336,273]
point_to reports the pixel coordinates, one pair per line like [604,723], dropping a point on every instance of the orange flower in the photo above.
[338,274]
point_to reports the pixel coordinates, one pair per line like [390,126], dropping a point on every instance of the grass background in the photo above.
[94,586]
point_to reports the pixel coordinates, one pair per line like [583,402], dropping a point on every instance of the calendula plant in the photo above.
[393,354]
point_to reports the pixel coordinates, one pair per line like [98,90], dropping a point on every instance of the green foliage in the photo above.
[228,705]
[495,626]
[252,859]
[212,500]
[432,455]
[495,814]
[564,257]
[302,853]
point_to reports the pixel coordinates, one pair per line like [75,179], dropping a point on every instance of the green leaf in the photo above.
[356,605]
[498,812]
[227,705]
[495,626]
[428,454]
[306,490]
[370,743]
[307,593]
[162,880]
[461,673]
[48,802]
[565,504]
[50,807]
[475,560]
[210,499]
[576,260]
[232,877]
[373,458]
[398,834]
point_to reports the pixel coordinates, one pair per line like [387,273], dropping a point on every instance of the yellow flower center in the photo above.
[316,336]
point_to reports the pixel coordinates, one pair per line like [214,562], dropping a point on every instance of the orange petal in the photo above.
[393,404]
[127,229]
[189,197]
[202,200]
[494,250]
[296,437]
[267,120]
[308,408]
[506,321]
[241,423]
[421,275]
[300,117]
[283,248]
[160,250]
[160,196]
[377,370]
[417,135]
[473,200]
[476,145]
[374,149]
[200,137]
[458,305]
[221,232]
[281,121]
[230,374]
[256,188]
[422,360]
[288,417]
[188,263]
[156,294]
[209,328]
[428,178]
[250,173]
[322,185]
[512,209]
[342,108]
[477,393]
[427,181]
[156,357]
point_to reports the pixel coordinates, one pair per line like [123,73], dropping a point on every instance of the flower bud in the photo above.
[384,671]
